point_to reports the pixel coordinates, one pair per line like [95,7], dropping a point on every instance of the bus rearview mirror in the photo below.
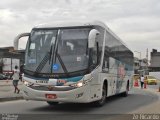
[92,38]
[16,40]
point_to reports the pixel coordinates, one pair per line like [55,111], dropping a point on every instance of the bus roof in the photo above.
[70,24]
[59,24]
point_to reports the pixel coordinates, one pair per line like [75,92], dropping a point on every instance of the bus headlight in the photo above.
[80,83]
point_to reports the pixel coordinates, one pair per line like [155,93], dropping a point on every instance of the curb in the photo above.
[10,99]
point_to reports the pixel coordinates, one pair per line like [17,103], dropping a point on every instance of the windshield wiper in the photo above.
[43,62]
[50,53]
[56,55]
[47,57]
[62,64]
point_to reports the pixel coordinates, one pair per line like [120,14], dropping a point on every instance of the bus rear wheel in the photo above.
[102,101]
[52,103]
[125,94]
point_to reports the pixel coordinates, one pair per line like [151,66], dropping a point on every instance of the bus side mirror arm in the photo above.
[92,38]
[16,40]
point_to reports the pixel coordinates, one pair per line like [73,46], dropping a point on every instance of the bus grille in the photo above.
[51,88]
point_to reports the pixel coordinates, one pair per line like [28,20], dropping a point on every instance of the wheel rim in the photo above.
[127,89]
[103,96]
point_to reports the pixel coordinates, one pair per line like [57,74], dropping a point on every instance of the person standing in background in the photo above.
[142,81]
[16,79]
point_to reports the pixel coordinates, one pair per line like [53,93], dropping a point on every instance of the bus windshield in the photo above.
[57,51]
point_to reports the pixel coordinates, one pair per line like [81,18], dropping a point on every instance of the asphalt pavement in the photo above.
[7,91]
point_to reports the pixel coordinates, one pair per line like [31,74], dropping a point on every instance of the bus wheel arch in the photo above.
[106,85]
[102,101]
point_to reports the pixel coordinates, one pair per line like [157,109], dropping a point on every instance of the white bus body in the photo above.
[75,62]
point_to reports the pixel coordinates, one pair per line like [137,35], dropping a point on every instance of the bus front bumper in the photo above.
[77,95]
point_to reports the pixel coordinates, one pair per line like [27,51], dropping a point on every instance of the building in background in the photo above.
[155,61]
[141,66]
[136,65]
[9,58]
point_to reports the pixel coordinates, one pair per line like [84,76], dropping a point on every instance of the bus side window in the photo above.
[105,66]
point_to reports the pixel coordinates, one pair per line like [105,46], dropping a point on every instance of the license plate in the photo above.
[51,96]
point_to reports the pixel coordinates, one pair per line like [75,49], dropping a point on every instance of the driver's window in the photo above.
[94,55]
[105,66]
[31,49]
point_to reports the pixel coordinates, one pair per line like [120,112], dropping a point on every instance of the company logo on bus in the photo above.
[55,67]
[41,81]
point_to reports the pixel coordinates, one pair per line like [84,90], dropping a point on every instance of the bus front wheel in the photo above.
[102,101]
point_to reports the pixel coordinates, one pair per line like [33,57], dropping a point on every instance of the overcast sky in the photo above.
[136,22]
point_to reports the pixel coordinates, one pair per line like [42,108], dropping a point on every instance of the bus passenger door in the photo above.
[109,70]
[113,73]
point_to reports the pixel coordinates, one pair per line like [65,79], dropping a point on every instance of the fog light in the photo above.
[79,84]
[79,95]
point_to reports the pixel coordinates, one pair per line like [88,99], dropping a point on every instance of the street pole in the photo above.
[140,72]
[139,54]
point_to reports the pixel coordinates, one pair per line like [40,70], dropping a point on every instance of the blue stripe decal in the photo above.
[74,79]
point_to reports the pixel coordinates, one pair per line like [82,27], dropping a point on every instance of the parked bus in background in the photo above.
[75,62]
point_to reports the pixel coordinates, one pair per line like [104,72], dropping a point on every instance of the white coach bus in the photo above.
[75,62]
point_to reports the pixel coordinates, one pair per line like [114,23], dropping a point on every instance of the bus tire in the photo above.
[125,94]
[102,101]
[52,103]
